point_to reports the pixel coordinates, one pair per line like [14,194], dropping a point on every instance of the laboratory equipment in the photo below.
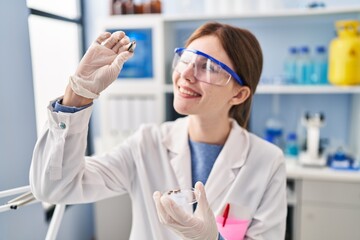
[183,196]
[344,54]
[291,146]
[320,68]
[216,72]
[313,155]
[341,160]
[303,66]
[132,46]
[28,198]
[274,131]
[290,65]
[274,126]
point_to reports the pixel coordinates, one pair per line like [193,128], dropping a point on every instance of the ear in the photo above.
[240,95]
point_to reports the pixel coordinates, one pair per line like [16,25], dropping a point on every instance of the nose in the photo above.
[189,72]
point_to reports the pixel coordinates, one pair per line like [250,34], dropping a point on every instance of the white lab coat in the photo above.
[249,172]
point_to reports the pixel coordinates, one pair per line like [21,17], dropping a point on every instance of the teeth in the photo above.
[188,92]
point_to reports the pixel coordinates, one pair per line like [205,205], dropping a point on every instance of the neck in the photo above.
[212,131]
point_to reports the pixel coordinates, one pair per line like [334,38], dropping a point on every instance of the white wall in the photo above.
[18,133]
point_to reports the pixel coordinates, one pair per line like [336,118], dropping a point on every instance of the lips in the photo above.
[188,92]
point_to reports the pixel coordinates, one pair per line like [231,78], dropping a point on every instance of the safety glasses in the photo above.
[205,68]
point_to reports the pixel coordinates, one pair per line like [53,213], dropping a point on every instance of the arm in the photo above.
[59,171]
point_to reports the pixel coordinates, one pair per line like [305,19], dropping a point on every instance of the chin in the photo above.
[182,109]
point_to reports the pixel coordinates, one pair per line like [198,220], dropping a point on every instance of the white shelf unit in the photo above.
[310,89]
[133,90]
[297,89]
[281,13]
[171,31]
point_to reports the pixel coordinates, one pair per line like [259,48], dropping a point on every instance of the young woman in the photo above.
[214,79]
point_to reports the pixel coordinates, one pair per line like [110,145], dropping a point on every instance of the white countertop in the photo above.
[296,171]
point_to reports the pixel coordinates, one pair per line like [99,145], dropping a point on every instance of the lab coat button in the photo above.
[62,125]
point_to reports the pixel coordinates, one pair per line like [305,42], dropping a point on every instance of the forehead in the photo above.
[211,45]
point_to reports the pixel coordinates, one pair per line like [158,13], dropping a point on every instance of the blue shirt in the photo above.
[58,107]
[203,157]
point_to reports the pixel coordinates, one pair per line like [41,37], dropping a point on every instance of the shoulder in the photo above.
[262,147]
[256,146]
[260,152]
[265,154]
[154,131]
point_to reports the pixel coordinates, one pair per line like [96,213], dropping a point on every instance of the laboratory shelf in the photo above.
[306,89]
[296,89]
[294,170]
[254,15]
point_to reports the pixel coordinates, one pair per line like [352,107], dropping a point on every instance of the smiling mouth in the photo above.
[187,92]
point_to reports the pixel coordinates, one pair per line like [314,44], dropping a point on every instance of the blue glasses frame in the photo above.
[223,65]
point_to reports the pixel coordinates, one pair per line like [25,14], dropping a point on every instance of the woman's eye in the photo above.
[211,68]
[184,60]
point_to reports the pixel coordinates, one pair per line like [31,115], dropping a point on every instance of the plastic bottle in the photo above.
[290,66]
[291,145]
[117,7]
[344,54]
[128,7]
[320,66]
[274,132]
[304,66]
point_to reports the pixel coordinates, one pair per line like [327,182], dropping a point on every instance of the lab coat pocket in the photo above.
[233,229]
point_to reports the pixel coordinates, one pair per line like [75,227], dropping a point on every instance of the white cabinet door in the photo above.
[113,218]
[329,210]
[330,222]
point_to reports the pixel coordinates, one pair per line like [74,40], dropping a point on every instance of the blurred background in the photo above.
[307,101]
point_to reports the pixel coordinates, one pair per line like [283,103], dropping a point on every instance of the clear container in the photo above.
[183,196]
[320,66]
[291,146]
[304,66]
[274,132]
[290,66]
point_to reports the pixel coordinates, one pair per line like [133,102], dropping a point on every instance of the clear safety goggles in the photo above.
[205,68]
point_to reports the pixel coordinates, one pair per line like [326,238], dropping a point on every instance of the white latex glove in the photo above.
[199,226]
[101,64]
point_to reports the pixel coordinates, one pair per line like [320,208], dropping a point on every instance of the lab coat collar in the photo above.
[178,149]
[230,159]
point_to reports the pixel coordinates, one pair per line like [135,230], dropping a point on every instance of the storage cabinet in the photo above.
[329,210]
[317,211]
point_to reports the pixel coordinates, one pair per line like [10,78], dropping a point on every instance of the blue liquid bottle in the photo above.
[320,66]
[291,146]
[290,66]
[304,66]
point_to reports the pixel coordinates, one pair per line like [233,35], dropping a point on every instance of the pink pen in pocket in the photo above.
[231,227]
